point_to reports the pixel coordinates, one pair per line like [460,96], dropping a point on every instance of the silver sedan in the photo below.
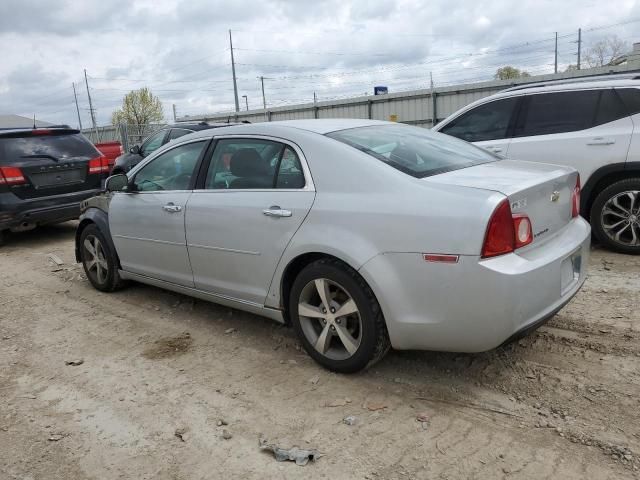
[363,235]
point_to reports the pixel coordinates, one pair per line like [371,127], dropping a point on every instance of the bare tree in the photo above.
[605,51]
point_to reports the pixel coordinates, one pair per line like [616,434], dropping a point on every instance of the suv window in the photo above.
[152,143]
[489,121]
[171,170]
[178,132]
[57,146]
[253,163]
[631,99]
[610,108]
[558,112]
[416,151]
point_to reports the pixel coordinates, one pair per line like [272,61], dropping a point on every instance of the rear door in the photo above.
[255,195]
[488,125]
[584,129]
[51,162]
[147,224]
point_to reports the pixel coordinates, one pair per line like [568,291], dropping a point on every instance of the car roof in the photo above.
[197,126]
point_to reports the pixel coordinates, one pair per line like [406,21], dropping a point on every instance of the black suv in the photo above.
[44,175]
[126,162]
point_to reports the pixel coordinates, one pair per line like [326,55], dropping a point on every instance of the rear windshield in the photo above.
[55,146]
[416,151]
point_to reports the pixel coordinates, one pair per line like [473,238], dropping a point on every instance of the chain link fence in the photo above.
[127,134]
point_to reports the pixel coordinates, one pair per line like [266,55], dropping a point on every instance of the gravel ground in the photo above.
[147,384]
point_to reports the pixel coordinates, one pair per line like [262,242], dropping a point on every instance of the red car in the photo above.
[111,150]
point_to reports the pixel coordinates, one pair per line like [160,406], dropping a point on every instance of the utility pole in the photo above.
[93,115]
[233,71]
[315,108]
[264,100]
[434,119]
[246,102]
[579,46]
[555,63]
[174,112]
[77,108]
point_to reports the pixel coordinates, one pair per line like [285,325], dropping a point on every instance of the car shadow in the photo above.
[42,236]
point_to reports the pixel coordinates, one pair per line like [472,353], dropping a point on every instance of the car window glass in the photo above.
[290,173]
[610,108]
[177,133]
[549,113]
[631,99]
[57,147]
[415,151]
[243,163]
[171,170]
[485,122]
[153,143]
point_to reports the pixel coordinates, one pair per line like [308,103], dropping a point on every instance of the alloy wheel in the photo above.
[330,319]
[620,218]
[95,259]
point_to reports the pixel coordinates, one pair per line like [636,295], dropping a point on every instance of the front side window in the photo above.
[549,113]
[153,143]
[489,121]
[416,151]
[253,164]
[171,170]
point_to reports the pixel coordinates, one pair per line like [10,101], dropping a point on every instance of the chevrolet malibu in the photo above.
[362,235]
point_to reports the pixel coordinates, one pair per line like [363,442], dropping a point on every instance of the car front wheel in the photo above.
[615,216]
[337,317]
[99,262]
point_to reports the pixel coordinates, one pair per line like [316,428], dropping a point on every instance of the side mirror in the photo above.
[135,149]
[117,183]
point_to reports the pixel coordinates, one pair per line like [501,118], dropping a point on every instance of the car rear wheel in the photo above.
[615,216]
[99,262]
[337,317]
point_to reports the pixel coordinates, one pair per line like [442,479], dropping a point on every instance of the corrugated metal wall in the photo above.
[414,107]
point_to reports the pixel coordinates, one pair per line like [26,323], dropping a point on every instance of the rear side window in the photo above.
[631,99]
[549,113]
[489,121]
[53,146]
[610,108]
[177,133]
[416,151]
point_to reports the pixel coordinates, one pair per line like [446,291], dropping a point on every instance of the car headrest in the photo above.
[246,162]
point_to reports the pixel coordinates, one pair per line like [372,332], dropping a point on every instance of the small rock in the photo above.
[74,363]
[229,331]
[350,420]
[314,380]
[55,437]
[181,433]
[292,362]
[222,422]
[374,406]
[422,417]
[226,434]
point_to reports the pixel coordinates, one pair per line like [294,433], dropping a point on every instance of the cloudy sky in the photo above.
[336,48]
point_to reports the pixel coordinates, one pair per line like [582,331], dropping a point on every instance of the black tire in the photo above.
[597,219]
[109,280]
[374,339]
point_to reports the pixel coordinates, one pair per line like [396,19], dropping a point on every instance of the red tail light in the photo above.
[11,176]
[506,232]
[500,236]
[99,165]
[41,131]
[575,199]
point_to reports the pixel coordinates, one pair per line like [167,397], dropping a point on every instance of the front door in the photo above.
[256,195]
[147,223]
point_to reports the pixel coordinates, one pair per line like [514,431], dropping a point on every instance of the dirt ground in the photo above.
[95,386]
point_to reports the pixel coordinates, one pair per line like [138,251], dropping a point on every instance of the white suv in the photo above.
[591,124]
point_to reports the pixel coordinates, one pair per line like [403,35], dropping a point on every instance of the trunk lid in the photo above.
[53,161]
[541,191]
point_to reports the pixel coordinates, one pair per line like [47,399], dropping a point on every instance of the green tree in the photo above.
[508,72]
[140,108]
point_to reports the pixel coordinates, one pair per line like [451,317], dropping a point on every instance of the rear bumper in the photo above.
[476,305]
[15,212]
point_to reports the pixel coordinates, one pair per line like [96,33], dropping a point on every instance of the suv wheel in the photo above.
[99,262]
[337,317]
[615,216]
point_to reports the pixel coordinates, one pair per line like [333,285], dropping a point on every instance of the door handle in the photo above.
[276,211]
[601,141]
[172,208]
